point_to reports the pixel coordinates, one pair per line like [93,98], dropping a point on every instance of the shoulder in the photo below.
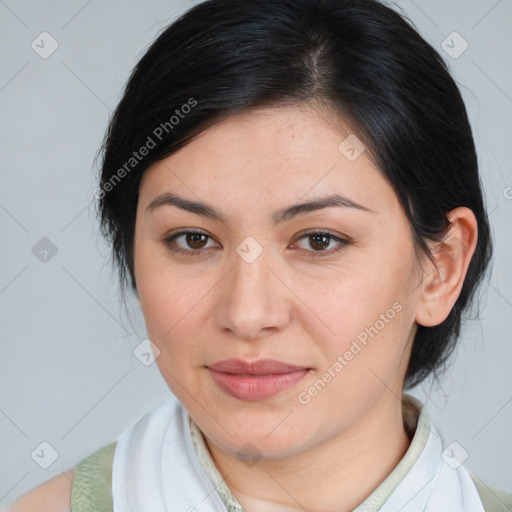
[51,496]
[86,487]
[493,499]
[92,483]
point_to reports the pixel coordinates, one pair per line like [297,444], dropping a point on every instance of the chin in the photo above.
[255,448]
[258,437]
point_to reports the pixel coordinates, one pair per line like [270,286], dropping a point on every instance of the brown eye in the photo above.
[190,243]
[320,243]
[196,240]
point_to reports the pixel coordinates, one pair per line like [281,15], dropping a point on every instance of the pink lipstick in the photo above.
[255,380]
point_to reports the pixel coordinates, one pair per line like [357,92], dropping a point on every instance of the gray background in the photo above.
[68,374]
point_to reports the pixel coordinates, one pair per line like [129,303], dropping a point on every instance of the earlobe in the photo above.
[444,277]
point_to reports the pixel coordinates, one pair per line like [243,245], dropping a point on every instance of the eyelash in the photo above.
[313,254]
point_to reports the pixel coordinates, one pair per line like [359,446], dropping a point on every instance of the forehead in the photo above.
[272,156]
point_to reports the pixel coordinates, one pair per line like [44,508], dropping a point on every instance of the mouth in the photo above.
[256,380]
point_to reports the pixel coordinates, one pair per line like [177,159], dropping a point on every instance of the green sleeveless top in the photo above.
[92,482]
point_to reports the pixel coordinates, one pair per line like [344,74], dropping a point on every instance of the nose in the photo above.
[253,299]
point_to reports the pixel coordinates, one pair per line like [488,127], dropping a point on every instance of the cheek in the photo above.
[172,307]
[369,315]
[165,296]
[365,358]
[165,291]
[351,302]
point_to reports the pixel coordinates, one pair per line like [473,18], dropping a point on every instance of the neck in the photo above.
[340,474]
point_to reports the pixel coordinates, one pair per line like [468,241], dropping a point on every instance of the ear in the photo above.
[443,278]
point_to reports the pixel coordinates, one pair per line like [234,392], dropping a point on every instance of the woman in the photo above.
[291,189]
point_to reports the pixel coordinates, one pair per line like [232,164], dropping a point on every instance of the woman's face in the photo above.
[332,290]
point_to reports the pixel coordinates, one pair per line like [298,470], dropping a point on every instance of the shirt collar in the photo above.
[417,426]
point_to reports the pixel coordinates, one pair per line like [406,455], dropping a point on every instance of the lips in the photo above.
[255,380]
[262,367]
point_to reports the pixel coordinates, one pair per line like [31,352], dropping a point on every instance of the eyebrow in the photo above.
[206,210]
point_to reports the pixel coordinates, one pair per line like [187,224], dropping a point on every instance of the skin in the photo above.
[332,452]
[53,495]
